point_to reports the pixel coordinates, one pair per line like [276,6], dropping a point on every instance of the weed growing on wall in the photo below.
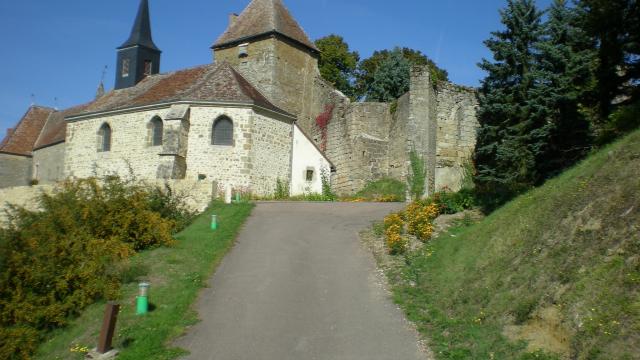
[282,190]
[417,175]
[327,193]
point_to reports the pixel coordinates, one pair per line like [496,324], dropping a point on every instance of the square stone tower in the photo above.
[268,46]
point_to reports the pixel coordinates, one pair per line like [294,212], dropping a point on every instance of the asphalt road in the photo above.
[300,285]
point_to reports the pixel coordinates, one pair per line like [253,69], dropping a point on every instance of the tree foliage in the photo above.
[615,26]
[513,130]
[391,79]
[367,69]
[337,63]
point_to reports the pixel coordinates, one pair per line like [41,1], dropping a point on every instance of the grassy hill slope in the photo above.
[558,268]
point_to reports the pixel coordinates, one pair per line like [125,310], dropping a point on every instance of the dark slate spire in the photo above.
[141,31]
[138,57]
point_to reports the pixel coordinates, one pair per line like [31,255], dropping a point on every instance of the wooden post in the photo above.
[108,327]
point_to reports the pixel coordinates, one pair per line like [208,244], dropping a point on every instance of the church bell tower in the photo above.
[138,57]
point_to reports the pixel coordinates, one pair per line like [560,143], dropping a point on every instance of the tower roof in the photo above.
[141,31]
[263,17]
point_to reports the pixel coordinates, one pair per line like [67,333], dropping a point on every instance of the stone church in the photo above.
[249,119]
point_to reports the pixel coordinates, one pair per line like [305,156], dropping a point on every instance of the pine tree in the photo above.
[565,69]
[511,134]
[391,79]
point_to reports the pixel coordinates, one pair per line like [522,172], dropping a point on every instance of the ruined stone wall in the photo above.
[15,170]
[398,140]
[456,136]
[357,144]
[49,164]
[271,147]
[421,124]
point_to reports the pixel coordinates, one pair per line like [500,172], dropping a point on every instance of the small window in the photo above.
[157,130]
[148,67]
[125,67]
[104,138]
[243,50]
[309,175]
[223,132]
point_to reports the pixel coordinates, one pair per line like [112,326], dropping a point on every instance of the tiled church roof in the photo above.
[55,130]
[264,17]
[214,82]
[20,141]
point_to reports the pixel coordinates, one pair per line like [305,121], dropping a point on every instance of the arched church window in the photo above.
[104,138]
[156,131]
[222,132]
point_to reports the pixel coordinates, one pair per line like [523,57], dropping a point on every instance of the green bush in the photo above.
[327,193]
[55,262]
[454,202]
[282,190]
[386,190]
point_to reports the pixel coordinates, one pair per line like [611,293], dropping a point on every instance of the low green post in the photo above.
[237,198]
[214,222]
[142,301]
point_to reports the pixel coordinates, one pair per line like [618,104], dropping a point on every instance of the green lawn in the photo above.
[176,275]
[560,263]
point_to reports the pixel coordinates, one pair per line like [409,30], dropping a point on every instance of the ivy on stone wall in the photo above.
[322,121]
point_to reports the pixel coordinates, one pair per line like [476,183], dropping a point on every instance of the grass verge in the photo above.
[556,271]
[176,274]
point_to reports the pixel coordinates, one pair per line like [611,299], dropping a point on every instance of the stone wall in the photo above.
[456,135]
[260,154]
[130,150]
[15,170]
[271,148]
[48,164]
[197,195]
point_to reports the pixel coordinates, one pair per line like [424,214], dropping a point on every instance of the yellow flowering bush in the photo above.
[420,218]
[394,228]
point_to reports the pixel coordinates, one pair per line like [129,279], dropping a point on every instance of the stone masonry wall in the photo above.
[229,166]
[49,164]
[456,135]
[14,170]
[196,194]
[271,146]
[130,150]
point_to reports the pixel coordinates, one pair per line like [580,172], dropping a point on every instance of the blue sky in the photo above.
[56,50]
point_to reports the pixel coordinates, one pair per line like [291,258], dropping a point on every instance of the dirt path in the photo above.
[299,285]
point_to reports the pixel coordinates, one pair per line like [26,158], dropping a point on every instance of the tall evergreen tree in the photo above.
[391,79]
[511,134]
[615,24]
[565,70]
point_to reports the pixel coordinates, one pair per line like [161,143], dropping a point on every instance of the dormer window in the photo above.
[243,50]
[125,67]
[148,67]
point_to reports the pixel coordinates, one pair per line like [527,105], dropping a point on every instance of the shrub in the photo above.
[394,228]
[56,261]
[454,202]
[282,190]
[420,216]
[327,193]
[383,190]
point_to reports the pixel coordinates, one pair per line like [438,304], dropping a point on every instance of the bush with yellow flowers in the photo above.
[394,230]
[419,217]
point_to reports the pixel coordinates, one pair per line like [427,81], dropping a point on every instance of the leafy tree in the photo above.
[615,25]
[565,71]
[337,64]
[512,130]
[391,79]
[368,68]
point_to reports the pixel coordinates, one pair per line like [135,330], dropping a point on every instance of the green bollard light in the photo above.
[214,222]
[142,301]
